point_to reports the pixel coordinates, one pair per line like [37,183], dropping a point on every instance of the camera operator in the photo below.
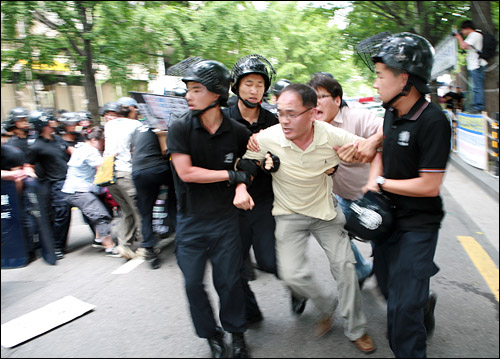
[473,44]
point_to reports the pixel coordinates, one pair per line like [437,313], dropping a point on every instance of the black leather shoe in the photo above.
[217,344]
[152,258]
[429,320]
[298,305]
[239,346]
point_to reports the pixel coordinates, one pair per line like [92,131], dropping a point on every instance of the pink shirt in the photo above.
[351,177]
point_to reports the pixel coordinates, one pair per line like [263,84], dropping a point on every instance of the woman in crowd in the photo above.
[82,192]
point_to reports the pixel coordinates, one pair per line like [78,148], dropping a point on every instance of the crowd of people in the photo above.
[246,174]
[59,154]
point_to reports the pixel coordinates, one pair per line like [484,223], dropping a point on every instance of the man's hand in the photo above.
[362,151]
[367,149]
[371,186]
[252,144]
[272,163]
[30,171]
[16,175]
[242,198]
[331,171]
[347,153]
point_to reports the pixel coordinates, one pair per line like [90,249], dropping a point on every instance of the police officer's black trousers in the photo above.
[56,209]
[257,229]
[198,240]
[147,184]
[403,266]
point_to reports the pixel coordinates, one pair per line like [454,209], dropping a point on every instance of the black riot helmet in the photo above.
[70,118]
[85,115]
[252,64]
[372,217]
[280,86]
[40,119]
[408,52]
[18,113]
[211,74]
[111,107]
[405,51]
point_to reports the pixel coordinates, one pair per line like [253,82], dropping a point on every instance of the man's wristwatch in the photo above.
[380,181]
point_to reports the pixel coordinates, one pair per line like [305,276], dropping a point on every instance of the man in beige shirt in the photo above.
[304,205]
[349,178]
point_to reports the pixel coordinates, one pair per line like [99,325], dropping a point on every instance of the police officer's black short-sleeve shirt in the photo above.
[12,157]
[21,143]
[261,187]
[50,158]
[219,151]
[416,143]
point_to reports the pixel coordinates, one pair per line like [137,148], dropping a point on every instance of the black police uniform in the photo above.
[28,201]
[50,159]
[257,226]
[207,222]
[21,143]
[414,143]
[151,170]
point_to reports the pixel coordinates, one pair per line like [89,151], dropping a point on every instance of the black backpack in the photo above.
[489,46]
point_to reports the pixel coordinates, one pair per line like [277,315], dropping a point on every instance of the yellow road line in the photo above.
[482,261]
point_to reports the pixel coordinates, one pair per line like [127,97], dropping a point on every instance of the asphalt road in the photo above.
[143,313]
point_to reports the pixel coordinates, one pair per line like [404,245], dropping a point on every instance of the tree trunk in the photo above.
[481,16]
[90,84]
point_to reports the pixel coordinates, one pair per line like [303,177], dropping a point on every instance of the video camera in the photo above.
[455,33]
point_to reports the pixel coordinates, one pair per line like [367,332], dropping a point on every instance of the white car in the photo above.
[374,106]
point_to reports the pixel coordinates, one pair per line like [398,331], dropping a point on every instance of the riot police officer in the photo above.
[278,87]
[251,77]
[18,124]
[416,145]
[49,155]
[204,146]
[70,129]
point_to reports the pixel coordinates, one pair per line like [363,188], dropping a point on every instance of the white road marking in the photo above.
[129,266]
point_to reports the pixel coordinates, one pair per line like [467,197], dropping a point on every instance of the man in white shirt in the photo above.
[118,133]
[473,43]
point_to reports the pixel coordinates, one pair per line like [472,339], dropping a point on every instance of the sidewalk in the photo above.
[484,179]
[476,192]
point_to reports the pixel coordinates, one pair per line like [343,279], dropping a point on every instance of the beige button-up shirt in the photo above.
[301,185]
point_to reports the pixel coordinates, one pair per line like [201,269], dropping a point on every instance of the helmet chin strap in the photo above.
[198,113]
[404,92]
[249,104]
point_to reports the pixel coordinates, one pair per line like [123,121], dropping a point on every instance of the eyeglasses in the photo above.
[291,115]
[320,97]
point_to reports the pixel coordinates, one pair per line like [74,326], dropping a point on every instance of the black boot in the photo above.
[217,344]
[239,346]
[429,320]
[152,258]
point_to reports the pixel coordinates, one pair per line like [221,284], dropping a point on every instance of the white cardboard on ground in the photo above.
[42,320]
